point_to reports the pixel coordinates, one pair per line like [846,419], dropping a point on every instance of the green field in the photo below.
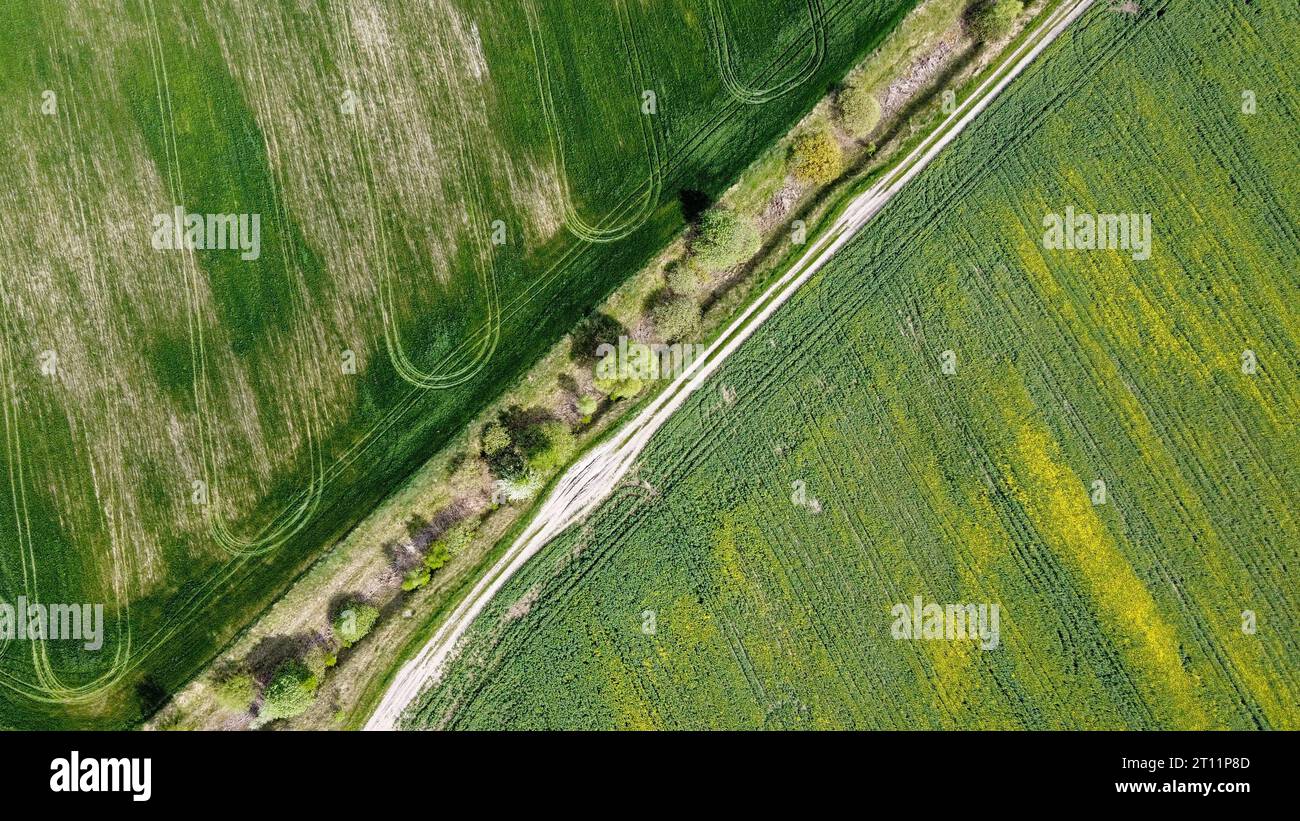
[832,469]
[186,430]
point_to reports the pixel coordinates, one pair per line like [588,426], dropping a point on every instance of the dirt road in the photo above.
[590,480]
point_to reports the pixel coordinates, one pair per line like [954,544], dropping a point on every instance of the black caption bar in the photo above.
[144,772]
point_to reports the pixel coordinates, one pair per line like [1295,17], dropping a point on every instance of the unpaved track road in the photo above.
[591,479]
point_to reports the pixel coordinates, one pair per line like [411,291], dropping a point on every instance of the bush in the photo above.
[559,449]
[235,692]
[675,317]
[620,380]
[685,277]
[416,578]
[437,556]
[521,489]
[507,464]
[591,333]
[458,538]
[525,429]
[587,406]
[354,621]
[319,659]
[724,240]
[617,388]
[290,693]
[994,19]
[859,109]
[815,157]
[495,438]
[500,445]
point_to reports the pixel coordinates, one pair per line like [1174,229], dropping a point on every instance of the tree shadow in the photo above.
[150,696]
[596,329]
[693,203]
[269,653]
